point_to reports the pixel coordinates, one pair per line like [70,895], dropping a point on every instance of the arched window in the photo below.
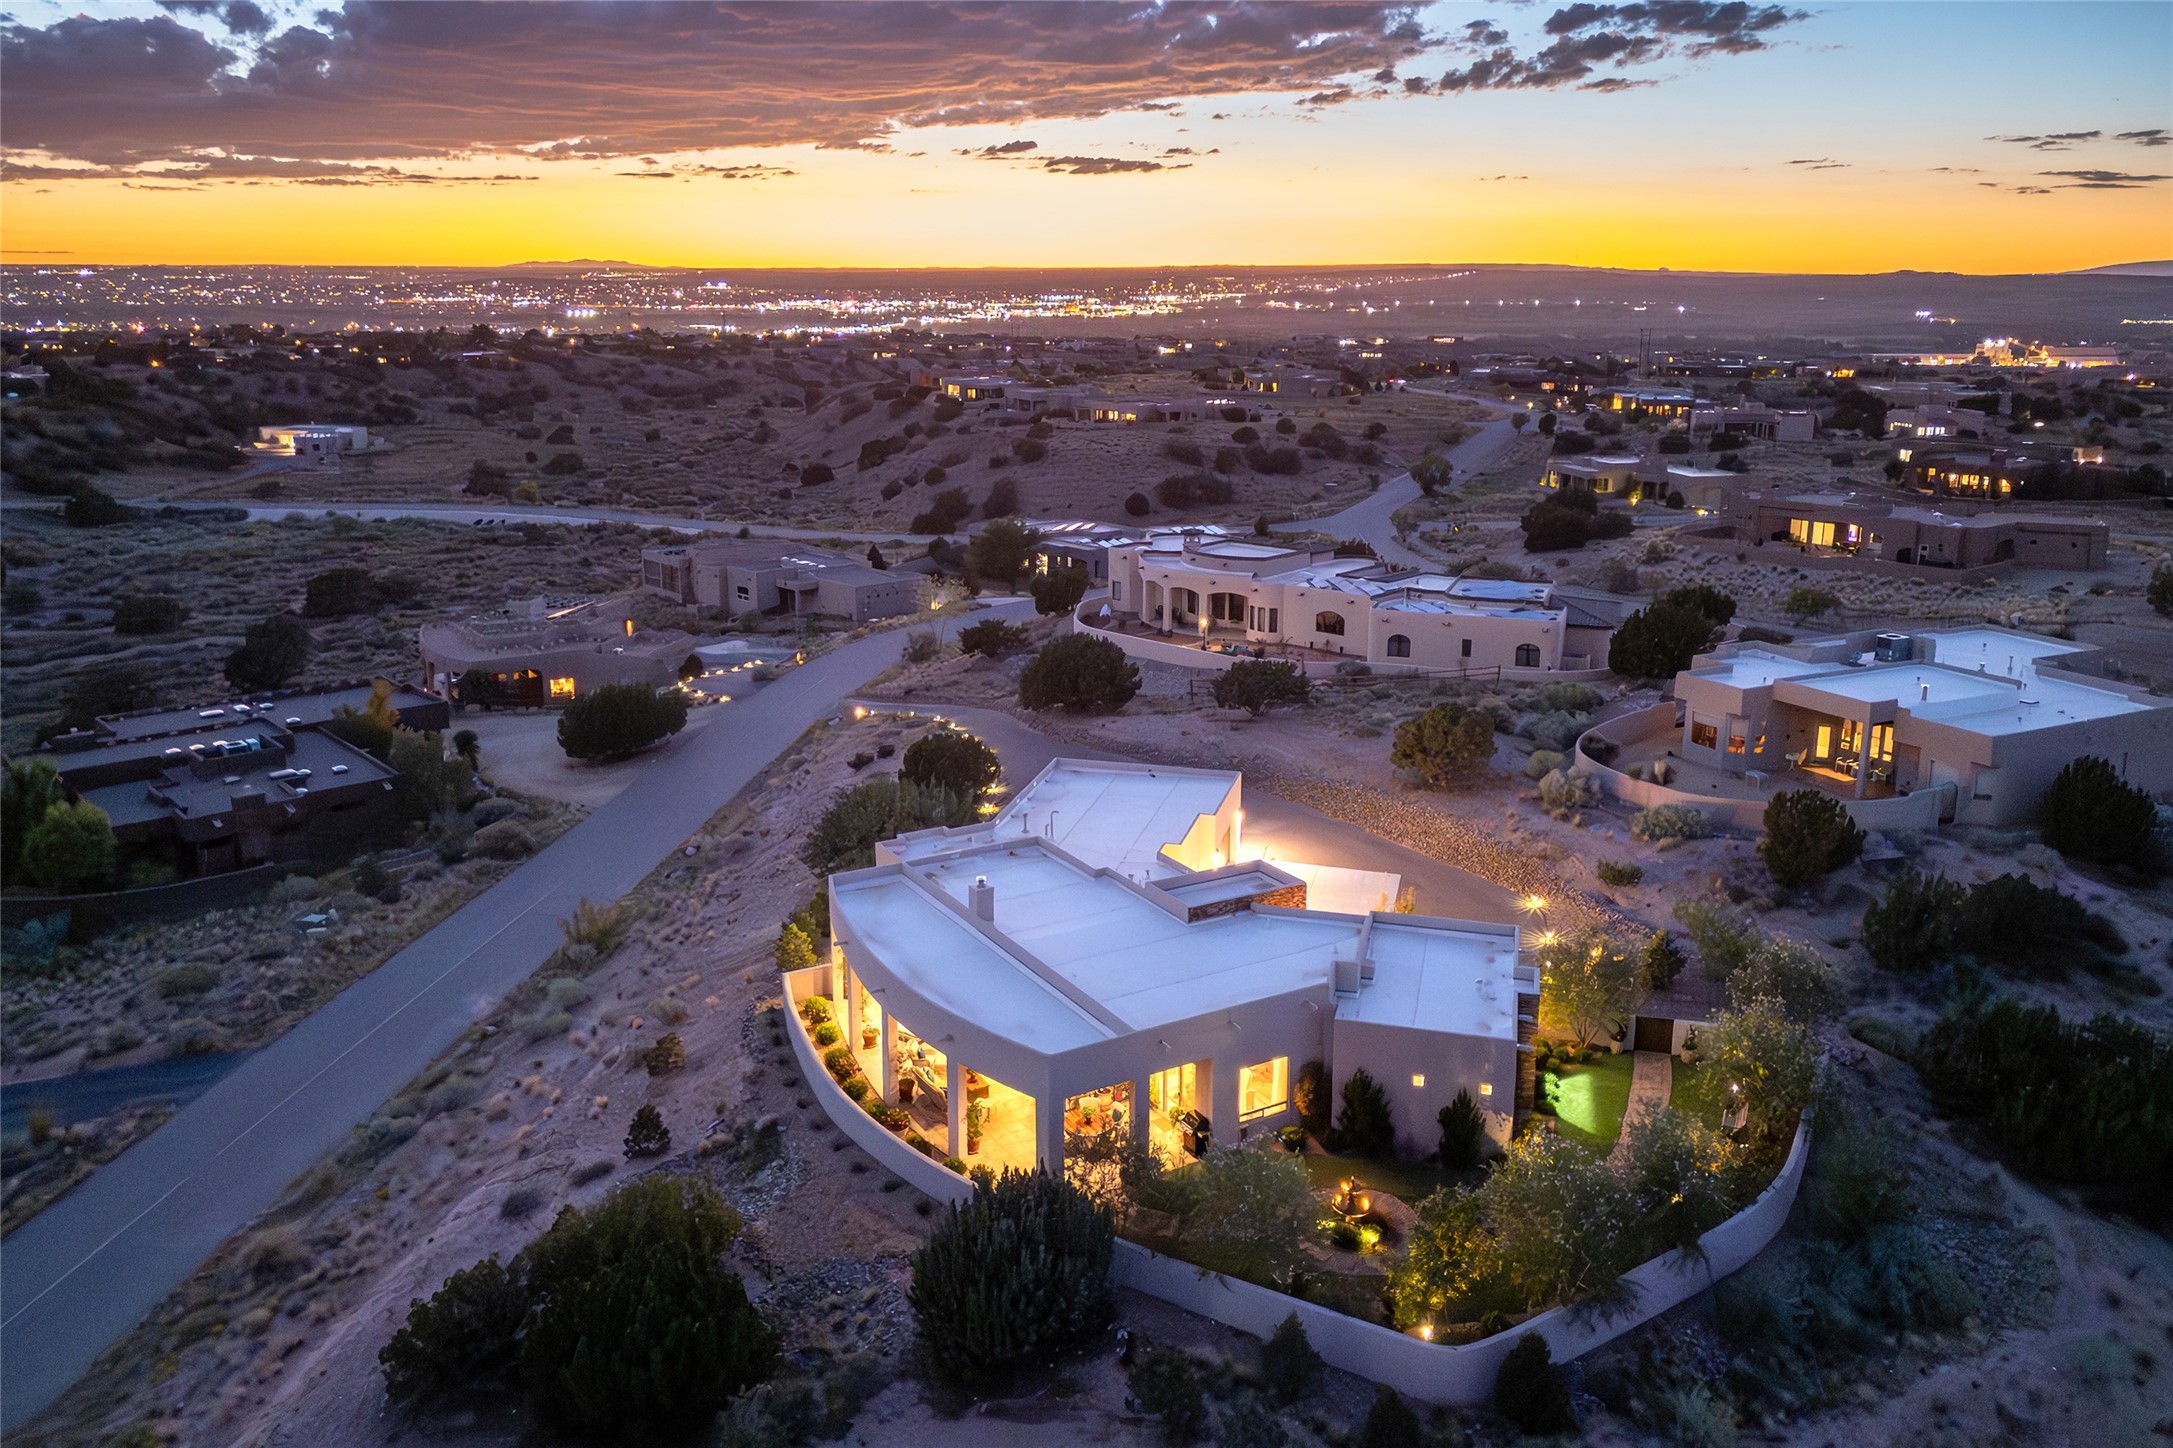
[1527,656]
[1328,623]
[1399,647]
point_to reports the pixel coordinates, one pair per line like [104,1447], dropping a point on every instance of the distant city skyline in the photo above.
[2022,137]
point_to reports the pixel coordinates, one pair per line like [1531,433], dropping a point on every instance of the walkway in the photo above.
[89,1267]
[1652,1081]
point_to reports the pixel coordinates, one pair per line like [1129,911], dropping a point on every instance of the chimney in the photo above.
[983,899]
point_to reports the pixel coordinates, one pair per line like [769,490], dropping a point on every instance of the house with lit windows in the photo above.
[1108,954]
[540,654]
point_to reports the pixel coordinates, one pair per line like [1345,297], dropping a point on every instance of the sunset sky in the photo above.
[1845,137]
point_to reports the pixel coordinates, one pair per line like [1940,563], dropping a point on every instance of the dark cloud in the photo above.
[1961,171]
[687,171]
[1484,34]
[1505,178]
[2155,136]
[244,18]
[1101,166]
[1821,163]
[1587,36]
[2054,141]
[369,80]
[249,169]
[1188,151]
[1335,97]
[2105,180]
[997,153]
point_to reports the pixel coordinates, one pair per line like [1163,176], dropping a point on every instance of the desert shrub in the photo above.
[1366,1124]
[338,592]
[1247,1421]
[1058,590]
[272,651]
[615,721]
[2032,929]
[875,809]
[1012,1272]
[1288,1363]
[667,1055]
[592,1171]
[1446,743]
[465,1335]
[177,982]
[1529,1391]
[1248,1211]
[505,840]
[1311,1097]
[1563,794]
[953,761]
[1542,762]
[1567,697]
[1081,674]
[1723,939]
[646,1134]
[826,1034]
[1167,1383]
[520,1203]
[1390,1423]
[148,613]
[1808,835]
[1563,521]
[1185,491]
[70,847]
[1915,922]
[1463,1132]
[1659,641]
[1669,822]
[1803,602]
[1661,961]
[1255,684]
[991,638]
[945,511]
[1557,730]
[2088,1104]
[2090,813]
[1619,874]
[1770,1057]
[1137,505]
[814,475]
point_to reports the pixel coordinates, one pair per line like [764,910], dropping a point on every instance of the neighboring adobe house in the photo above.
[1989,715]
[538,654]
[755,575]
[1238,591]
[1104,954]
[1754,420]
[316,441]
[1858,527]
[234,785]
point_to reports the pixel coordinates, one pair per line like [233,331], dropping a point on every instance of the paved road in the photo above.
[1373,519]
[1283,829]
[89,1267]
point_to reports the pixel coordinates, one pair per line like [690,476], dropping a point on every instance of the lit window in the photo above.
[1486,1088]
[1703,734]
[562,688]
[1418,1079]
[1263,1088]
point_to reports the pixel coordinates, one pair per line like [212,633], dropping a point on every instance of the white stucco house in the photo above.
[1106,954]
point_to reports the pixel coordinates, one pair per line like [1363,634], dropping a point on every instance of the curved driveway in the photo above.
[1373,518]
[87,1269]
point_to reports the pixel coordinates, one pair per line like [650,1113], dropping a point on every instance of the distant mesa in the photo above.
[2128,269]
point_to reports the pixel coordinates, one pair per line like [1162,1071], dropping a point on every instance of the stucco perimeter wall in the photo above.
[923,1172]
[1463,1376]
[1192,656]
[1918,810]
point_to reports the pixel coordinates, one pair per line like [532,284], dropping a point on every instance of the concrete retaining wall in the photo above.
[924,1172]
[1463,1375]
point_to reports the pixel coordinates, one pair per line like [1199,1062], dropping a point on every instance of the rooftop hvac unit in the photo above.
[1894,648]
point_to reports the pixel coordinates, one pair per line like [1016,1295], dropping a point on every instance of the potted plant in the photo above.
[867,1038]
[976,1112]
[1690,1046]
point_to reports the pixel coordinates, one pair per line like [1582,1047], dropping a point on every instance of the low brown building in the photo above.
[1853,525]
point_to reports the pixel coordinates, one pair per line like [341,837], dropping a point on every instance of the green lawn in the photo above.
[1699,1093]
[1413,1181]
[1590,1100]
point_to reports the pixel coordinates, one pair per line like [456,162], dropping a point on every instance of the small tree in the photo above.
[1792,975]
[2090,813]
[2160,591]
[466,1334]
[1432,472]
[1079,673]
[1701,598]
[1446,743]
[1016,1270]
[71,846]
[1058,590]
[1659,641]
[1254,684]
[794,950]
[468,746]
[1167,1384]
[1529,1391]
[1311,1097]
[1366,1125]
[1288,1363]
[1463,1132]
[272,651]
[1769,1059]
[1808,835]
[1914,923]
[669,1054]
[647,1135]
[1662,961]
[998,553]
[617,720]
[953,760]
[1137,505]
[1590,986]
[1805,602]
[991,638]
[338,592]
[148,613]
[31,788]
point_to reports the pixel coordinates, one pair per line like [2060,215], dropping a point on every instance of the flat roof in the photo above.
[1115,816]
[1456,979]
[1757,669]
[306,710]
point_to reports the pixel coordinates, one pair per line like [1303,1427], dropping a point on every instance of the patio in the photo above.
[1754,786]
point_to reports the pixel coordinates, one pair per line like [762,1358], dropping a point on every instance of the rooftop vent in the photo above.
[983,899]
